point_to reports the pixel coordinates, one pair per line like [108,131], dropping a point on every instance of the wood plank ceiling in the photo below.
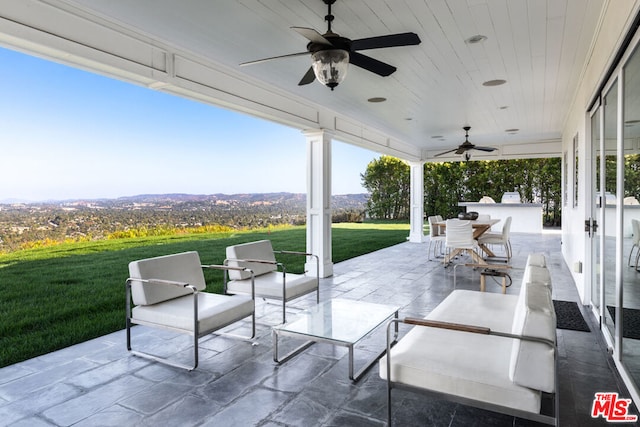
[539,47]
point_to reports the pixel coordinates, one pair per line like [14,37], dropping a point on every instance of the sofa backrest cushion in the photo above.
[532,364]
[183,267]
[261,250]
[536,274]
[537,260]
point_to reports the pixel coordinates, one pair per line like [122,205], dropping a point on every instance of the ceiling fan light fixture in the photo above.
[330,66]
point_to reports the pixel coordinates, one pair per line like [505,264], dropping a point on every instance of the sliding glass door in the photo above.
[597,211]
[630,353]
[615,144]
[609,205]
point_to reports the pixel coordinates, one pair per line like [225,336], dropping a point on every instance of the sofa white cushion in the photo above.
[214,311]
[269,285]
[184,267]
[260,249]
[532,363]
[459,363]
[494,311]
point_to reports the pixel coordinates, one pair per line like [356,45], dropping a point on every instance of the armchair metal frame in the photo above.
[196,333]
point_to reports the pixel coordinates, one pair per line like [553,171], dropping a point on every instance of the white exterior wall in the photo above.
[575,244]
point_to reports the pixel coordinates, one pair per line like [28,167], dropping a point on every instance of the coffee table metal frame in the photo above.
[363,318]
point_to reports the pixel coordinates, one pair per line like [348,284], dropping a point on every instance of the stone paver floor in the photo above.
[97,383]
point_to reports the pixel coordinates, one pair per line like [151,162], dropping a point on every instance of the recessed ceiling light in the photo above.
[377,99]
[496,82]
[475,39]
[504,107]
[631,122]
[437,136]
[408,118]
[512,130]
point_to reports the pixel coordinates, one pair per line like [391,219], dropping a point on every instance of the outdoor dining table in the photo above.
[479,228]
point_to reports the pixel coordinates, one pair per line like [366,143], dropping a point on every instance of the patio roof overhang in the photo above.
[194,48]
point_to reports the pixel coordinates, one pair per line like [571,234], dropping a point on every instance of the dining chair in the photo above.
[502,238]
[459,239]
[435,237]
[484,218]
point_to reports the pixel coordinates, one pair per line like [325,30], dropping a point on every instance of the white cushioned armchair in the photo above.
[167,293]
[270,279]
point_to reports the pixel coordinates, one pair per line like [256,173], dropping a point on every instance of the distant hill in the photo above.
[338,201]
[22,223]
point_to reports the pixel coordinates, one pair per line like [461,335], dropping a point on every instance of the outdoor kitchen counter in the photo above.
[526,217]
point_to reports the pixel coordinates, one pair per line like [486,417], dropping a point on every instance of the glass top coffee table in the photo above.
[339,322]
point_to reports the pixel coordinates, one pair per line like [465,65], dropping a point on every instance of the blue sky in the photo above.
[67,133]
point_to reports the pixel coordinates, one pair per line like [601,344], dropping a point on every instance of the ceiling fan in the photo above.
[466,146]
[331,53]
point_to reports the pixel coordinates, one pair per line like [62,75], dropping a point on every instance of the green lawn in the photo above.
[59,296]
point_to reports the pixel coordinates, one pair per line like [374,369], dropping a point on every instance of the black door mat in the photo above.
[569,316]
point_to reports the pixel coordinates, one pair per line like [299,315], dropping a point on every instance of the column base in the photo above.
[326,269]
[417,238]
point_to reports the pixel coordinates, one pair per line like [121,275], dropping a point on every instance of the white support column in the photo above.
[319,200]
[416,204]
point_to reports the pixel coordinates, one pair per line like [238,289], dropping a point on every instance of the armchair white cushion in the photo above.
[166,292]
[260,250]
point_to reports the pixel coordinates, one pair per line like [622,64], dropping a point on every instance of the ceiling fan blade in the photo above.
[370,64]
[311,35]
[487,149]
[392,40]
[257,61]
[445,152]
[309,77]
[461,150]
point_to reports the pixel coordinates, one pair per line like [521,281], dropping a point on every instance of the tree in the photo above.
[443,188]
[387,180]
[448,183]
